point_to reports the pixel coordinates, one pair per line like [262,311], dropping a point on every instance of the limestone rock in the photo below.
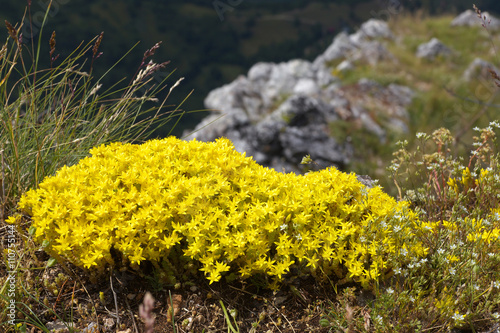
[469,18]
[432,49]
[479,69]
[279,113]
[360,46]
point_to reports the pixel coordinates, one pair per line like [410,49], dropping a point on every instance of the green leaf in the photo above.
[324,322]
[51,262]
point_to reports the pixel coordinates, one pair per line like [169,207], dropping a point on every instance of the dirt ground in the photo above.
[298,306]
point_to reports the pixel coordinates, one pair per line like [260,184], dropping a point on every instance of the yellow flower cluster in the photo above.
[467,181]
[485,230]
[221,209]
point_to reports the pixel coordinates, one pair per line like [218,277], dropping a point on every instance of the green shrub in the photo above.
[221,209]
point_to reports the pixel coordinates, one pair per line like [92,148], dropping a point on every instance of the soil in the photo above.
[298,306]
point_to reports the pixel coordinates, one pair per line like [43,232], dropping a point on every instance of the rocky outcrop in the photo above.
[433,49]
[364,45]
[469,18]
[479,69]
[279,113]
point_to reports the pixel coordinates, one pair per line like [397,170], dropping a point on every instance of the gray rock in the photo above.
[373,52]
[59,326]
[360,46]
[239,95]
[400,95]
[344,66]
[306,87]
[280,113]
[260,72]
[341,48]
[372,126]
[308,140]
[324,77]
[373,29]
[91,328]
[469,18]
[432,49]
[366,180]
[479,68]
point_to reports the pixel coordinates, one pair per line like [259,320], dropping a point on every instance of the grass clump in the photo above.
[51,117]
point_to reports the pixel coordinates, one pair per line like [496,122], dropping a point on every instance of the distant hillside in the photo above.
[207,51]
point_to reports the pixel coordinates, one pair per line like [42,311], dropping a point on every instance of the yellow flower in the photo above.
[355,268]
[280,268]
[13,219]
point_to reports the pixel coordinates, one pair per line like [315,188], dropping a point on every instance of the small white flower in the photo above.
[440,251]
[476,129]
[458,317]
[404,252]
[452,271]
[496,284]
[393,168]
[491,254]
[378,319]
[397,271]
[495,315]
[477,287]
[453,246]
[412,299]
[389,290]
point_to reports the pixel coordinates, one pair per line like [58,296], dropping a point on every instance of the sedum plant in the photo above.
[220,209]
